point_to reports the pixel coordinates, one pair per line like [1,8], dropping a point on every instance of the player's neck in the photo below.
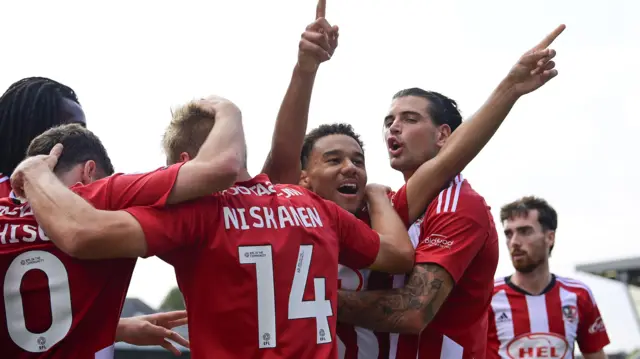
[243,175]
[408,174]
[533,282]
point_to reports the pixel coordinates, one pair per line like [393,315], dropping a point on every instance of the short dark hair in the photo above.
[28,108]
[547,216]
[443,110]
[322,131]
[80,145]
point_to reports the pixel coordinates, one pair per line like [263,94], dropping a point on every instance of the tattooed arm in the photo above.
[401,310]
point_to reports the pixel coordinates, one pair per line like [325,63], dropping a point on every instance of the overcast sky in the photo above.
[572,142]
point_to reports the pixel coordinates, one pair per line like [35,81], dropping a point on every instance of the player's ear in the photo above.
[304,180]
[184,157]
[550,238]
[89,172]
[444,131]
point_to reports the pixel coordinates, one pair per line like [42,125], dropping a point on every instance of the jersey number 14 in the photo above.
[319,308]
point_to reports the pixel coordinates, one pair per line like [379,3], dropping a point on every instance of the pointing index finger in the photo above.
[321,9]
[548,40]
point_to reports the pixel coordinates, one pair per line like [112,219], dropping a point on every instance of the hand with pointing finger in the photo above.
[318,42]
[32,166]
[535,68]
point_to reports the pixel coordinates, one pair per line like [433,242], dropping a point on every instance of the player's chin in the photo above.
[349,202]
[399,163]
[523,266]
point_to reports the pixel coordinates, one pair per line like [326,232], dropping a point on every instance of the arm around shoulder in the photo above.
[106,234]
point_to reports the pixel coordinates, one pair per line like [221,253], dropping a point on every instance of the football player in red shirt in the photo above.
[73,310]
[274,249]
[535,313]
[28,108]
[440,308]
[332,164]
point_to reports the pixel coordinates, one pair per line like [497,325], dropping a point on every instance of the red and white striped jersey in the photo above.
[5,186]
[356,342]
[522,325]
[457,233]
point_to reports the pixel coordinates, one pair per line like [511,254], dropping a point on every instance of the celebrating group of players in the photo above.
[302,261]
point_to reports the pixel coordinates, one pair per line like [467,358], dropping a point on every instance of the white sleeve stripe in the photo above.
[580,285]
[449,205]
[457,195]
[446,203]
[4,179]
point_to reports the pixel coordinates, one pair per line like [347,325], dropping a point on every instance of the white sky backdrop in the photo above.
[573,142]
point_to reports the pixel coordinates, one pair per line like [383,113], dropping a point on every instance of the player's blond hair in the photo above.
[190,125]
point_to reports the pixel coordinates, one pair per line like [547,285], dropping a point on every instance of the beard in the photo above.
[527,264]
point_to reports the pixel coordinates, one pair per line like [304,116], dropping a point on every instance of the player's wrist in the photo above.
[507,90]
[122,329]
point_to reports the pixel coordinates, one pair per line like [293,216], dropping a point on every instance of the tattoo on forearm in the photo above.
[397,310]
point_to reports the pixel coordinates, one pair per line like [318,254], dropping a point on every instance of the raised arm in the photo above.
[220,159]
[411,308]
[318,42]
[532,71]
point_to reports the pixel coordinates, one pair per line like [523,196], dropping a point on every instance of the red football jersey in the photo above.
[356,342]
[522,325]
[257,265]
[56,306]
[5,186]
[458,234]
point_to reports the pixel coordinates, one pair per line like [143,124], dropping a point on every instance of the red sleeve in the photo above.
[120,191]
[359,244]
[592,334]
[401,204]
[176,226]
[451,239]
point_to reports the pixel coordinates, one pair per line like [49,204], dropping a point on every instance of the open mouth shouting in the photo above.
[394,146]
[348,188]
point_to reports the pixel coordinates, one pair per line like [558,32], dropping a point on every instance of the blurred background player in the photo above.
[535,313]
[440,308]
[28,108]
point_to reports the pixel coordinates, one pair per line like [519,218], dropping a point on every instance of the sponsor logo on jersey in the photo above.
[537,345]
[570,313]
[597,326]
[438,240]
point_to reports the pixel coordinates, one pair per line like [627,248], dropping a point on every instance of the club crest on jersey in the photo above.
[570,313]
[537,345]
